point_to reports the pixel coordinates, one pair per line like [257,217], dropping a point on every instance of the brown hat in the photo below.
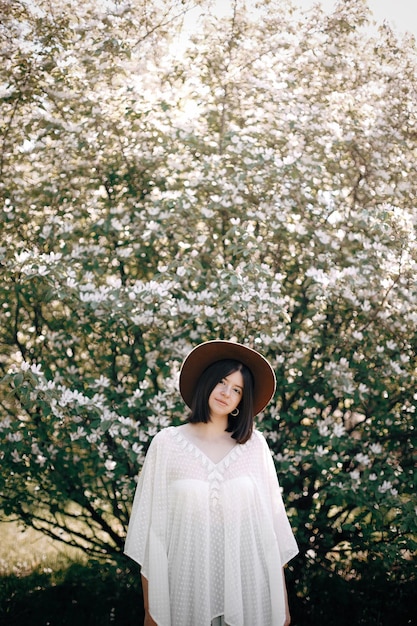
[211,351]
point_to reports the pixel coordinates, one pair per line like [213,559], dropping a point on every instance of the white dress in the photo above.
[211,538]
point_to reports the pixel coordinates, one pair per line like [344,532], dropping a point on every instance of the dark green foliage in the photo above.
[101,594]
[97,594]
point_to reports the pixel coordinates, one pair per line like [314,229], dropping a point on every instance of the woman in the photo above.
[208,525]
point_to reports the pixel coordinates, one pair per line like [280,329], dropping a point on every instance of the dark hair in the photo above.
[240,426]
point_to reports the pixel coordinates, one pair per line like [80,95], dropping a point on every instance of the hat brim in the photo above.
[211,351]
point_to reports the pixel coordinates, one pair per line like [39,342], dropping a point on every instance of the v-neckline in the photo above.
[201,452]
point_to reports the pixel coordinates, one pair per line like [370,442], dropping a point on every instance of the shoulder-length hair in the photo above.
[240,426]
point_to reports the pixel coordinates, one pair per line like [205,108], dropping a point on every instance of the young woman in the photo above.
[208,524]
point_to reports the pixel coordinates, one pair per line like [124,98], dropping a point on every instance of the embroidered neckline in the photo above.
[187,444]
[215,471]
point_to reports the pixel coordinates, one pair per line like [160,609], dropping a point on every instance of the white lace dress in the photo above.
[211,538]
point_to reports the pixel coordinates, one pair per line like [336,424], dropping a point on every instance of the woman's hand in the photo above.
[287,608]
[148,620]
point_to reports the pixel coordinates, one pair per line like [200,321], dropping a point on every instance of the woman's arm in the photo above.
[148,618]
[287,608]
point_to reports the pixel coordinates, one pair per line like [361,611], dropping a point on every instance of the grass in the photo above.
[25,550]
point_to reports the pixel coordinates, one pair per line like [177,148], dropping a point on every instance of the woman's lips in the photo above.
[222,402]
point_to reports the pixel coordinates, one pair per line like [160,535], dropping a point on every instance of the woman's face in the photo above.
[226,395]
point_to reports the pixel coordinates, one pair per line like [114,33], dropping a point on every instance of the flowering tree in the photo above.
[259,186]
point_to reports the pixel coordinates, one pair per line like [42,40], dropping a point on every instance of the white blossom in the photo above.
[16,458]
[324,429]
[110,464]
[103,381]
[78,434]
[5,423]
[102,449]
[386,486]
[40,460]
[14,437]
[339,430]
[363,459]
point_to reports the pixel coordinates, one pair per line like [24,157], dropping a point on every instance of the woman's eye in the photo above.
[224,383]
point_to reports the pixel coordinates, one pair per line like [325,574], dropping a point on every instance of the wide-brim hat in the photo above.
[209,352]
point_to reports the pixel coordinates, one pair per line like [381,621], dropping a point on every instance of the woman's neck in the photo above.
[214,429]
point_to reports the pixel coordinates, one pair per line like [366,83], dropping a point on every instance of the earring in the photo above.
[235,413]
